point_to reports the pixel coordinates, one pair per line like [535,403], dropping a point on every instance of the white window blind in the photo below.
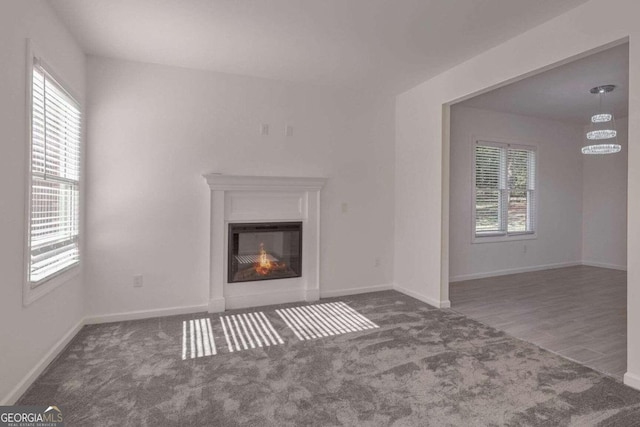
[55,174]
[504,196]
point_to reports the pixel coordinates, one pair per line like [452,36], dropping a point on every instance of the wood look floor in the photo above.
[578,312]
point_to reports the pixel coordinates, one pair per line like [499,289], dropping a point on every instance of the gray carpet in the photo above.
[422,367]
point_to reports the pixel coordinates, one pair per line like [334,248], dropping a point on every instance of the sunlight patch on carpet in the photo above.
[248,330]
[197,339]
[324,320]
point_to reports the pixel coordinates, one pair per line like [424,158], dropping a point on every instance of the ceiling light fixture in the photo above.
[601,136]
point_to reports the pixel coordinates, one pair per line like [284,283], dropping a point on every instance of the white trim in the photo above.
[463,277]
[39,368]
[232,302]
[248,198]
[216,305]
[27,297]
[473,276]
[145,314]
[503,236]
[355,291]
[311,295]
[263,299]
[423,298]
[605,265]
[218,181]
[32,293]
[632,380]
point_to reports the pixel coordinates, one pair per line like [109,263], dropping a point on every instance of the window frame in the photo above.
[34,291]
[506,236]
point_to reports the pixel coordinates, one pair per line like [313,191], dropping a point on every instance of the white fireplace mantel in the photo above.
[236,198]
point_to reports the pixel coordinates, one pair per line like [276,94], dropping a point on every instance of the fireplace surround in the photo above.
[247,201]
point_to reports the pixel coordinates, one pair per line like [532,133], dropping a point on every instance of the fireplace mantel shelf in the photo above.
[223,182]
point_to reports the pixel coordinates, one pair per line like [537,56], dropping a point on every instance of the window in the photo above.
[54,194]
[505,191]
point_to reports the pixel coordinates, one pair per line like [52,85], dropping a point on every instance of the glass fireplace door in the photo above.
[263,251]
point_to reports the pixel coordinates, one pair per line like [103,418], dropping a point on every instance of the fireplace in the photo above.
[263,201]
[264,251]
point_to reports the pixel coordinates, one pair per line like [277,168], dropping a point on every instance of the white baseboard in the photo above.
[231,302]
[34,373]
[473,276]
[495,273]
[145,314]
[423,298]
[284,297]
[354,291]
[216,305]
[632,380]
[270,298]
[605,265]
[312,295]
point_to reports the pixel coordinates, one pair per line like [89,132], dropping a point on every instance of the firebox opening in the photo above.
[264,251]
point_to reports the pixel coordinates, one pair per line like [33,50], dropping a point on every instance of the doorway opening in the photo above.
[537,229]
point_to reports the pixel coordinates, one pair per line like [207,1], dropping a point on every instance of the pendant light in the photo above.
[601,137]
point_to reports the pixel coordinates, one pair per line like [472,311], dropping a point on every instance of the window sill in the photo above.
[503,238]
[30,295]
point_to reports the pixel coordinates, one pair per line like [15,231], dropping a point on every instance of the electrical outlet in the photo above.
[138,281]
[288,130]
[264,129]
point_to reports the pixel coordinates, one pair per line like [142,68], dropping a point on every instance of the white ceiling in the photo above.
[562,93]
[385,45]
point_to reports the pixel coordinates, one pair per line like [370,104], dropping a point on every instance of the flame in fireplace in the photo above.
[264,266]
